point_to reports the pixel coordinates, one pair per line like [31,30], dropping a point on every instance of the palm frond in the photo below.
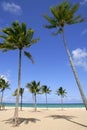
[61,91]
[29,56]
[6,47]
[4,84]
[51,20]
[76,19]
[30,34]
[33,41]
[46,89]
[3,36]
[21,91]
[54,12]
[63,14]
[16,26]
[74,8]
[49,26]
[34,87]
[15,93]
[58,32]
[18,36]
[24,28]
[7,31]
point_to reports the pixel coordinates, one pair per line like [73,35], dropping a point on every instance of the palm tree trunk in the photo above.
[46,101]
[19,85]
[33,99]
[74,71]
[2,97]
[21,103]
[35,103]
[61,102]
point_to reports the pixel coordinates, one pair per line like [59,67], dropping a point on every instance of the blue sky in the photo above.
[51,65]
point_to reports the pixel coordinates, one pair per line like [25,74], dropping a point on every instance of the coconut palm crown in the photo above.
[61,91]
[63,14]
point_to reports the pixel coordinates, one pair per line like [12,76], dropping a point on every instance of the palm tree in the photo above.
[21,91]
[18,37]
[46,90]
[34,88]
[3,85]
[61,92]
[64,14]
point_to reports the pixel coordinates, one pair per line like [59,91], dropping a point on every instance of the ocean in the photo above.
[51,105]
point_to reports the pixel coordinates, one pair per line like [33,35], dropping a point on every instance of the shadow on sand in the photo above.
[21,120]
[68,118]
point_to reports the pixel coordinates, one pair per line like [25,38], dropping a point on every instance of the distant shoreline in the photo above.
[50,105]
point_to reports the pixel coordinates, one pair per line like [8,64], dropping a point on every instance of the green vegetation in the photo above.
[46,90]
[3,85]
[61,92]
[34,88]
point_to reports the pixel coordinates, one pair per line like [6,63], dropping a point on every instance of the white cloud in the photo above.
[84,31]
[80,58]
[12,8]
[6,76]
[83,2]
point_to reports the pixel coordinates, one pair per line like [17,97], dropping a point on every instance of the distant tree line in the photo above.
[34,88]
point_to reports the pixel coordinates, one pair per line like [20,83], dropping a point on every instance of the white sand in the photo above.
[51,119]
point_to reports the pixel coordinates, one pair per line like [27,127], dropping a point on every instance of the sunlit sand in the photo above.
[51,119]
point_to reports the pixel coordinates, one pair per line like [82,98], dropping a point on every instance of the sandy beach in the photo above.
[51,119]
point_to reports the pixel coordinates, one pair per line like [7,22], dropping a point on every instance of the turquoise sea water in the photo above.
[42,105]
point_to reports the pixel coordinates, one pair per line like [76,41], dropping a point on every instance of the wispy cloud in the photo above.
[12,8]
[6,76]
[80,57]
[83,2]
[84,31]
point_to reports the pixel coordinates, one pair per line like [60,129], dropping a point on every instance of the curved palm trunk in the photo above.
[74,71]
[19,85]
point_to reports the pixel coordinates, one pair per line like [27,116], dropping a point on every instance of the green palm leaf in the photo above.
[24,28]
[29,56]
[58,32]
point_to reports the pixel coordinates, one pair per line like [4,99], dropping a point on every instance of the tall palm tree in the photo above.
[34,88]
[3,85]
[21,91]
[61,92]
[64,14]
[46,90]
[18,37]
